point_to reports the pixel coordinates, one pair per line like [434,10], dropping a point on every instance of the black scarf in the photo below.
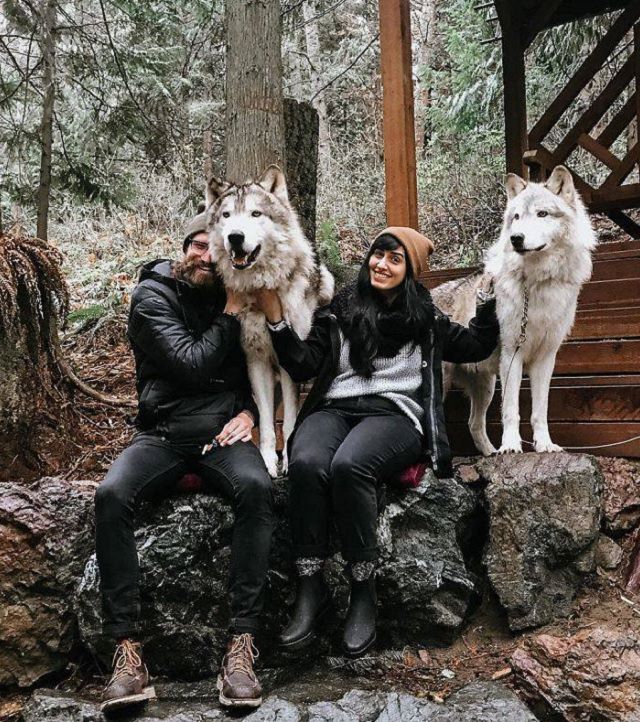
[391,318]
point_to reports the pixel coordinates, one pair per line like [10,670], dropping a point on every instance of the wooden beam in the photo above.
[619,122]
[539,20]
[627,224]
[597,109]
[515,95]
[398,114]
[625,166]
[604,155]
[585,73]
[580,357]
[616,199]
[636,51]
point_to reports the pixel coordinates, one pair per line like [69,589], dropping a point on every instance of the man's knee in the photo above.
[254,487]
[110,499]
[347,467]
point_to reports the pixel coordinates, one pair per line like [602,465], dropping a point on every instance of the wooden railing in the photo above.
[611,196]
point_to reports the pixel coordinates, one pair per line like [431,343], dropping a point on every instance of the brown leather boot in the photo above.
[129,683]
[237,683]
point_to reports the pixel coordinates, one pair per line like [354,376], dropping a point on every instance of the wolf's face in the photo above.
[537,214]
[245,219]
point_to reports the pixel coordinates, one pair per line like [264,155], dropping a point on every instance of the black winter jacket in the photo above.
[318,356]
[191,372]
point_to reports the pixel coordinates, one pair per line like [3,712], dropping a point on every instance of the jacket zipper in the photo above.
[432,412]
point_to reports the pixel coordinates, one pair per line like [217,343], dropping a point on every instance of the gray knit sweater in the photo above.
[397,378]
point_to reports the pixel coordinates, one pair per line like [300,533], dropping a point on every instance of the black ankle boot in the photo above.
[312,602]
[360,625]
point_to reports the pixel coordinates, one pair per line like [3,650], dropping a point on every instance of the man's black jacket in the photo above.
[318,356]
[191,372]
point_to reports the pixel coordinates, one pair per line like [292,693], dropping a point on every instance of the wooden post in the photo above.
[515,98]
[636,51]
[398,120]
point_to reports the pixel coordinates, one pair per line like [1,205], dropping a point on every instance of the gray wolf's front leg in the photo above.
[540,374]
[262,379]
[511,379]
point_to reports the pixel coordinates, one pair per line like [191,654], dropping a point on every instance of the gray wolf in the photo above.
[543,254]
[256,242]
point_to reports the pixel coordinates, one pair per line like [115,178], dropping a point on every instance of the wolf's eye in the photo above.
[516,216]
[225,214]
[256,214]
[543,214]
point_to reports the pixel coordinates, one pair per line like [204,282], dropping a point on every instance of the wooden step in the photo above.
[599,356]
[601,398]
[583,437]
[596,323]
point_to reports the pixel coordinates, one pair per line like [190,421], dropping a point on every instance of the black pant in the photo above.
[151,468]
[339,457]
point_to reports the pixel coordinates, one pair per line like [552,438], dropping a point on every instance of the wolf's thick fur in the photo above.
[545,245]
[257,242]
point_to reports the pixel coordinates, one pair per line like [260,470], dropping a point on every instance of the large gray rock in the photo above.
[544,515]
[429,537]
[46,535]
[478,702]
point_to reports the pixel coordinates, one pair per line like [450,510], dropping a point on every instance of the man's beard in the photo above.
[193,271]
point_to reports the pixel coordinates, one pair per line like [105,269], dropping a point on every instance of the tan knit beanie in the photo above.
[417,247]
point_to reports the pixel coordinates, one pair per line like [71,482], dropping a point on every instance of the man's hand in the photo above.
[268,301]
[238,429]
[235,302]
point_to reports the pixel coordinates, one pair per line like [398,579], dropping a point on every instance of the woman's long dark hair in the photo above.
[408,318]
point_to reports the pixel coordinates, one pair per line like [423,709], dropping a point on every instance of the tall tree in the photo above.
[254,114]
[46,21]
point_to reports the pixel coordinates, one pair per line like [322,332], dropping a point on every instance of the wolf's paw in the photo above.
[510,448]
[270,461]
[487,449]
[546,446]
[284,464]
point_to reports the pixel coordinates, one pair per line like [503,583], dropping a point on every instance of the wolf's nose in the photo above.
[517,241]
[236,239]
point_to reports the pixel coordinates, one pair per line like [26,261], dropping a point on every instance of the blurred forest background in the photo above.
[130,97]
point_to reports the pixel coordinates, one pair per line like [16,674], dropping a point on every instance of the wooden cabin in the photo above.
[594,402]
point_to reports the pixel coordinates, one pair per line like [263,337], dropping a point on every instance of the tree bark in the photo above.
[312,41]
[47,21]
[254,115]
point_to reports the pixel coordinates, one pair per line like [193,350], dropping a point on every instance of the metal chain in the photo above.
[525,319]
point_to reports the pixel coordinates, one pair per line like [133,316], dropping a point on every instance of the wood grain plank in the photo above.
[602,356]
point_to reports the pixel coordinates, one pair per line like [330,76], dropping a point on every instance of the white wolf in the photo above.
[539,263]
[256,242]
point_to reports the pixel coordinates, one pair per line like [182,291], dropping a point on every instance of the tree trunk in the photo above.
[47,22]
[301,132]
[312,41]
[254,115]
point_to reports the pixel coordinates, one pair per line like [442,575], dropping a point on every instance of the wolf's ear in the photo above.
[514,185]
[272,180]
[214,188]
[561,183]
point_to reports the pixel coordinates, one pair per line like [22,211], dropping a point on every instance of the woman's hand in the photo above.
[238,429]
[268,301]
[485,291]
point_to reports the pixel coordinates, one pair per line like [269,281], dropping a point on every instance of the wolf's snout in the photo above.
[517,241]
[236,239]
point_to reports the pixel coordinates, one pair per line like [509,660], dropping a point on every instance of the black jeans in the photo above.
[151,468]
[339,457]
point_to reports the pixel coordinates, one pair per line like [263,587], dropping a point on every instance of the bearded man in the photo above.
[192,385]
